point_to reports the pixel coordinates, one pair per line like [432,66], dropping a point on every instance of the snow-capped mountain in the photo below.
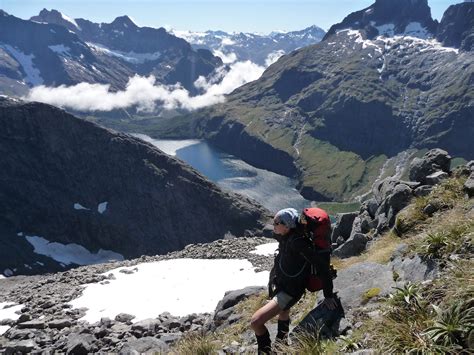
[258,48]
[375,87]
[53,49]
[389,18]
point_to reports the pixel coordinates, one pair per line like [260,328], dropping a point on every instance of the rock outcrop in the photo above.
[399,14]
[70,181]
[353,231]
[456,28]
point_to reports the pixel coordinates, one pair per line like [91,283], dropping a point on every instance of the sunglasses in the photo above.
[278,223]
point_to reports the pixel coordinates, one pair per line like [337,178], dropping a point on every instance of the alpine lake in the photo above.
[272,190]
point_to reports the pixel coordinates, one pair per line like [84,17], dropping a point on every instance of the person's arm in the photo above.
[320,261]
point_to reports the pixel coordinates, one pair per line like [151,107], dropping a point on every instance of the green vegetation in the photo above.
[436,316]
[429,317]
[333,208]
[196,344]
[370,293]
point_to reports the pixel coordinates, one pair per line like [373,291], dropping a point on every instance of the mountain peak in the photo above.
[56,17]
[124,21]
[401,17]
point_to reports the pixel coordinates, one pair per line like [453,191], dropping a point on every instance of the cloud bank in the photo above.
[146,94]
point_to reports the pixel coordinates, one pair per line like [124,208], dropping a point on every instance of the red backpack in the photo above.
[318,229]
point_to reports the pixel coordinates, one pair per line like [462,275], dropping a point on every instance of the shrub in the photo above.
[453,325]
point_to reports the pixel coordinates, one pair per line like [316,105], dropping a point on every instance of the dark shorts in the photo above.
[284,300]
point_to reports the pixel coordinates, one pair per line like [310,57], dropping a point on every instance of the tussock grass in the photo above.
[197,343]
[305,344]
[379,251]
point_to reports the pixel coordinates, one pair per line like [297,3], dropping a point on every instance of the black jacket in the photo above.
[296,254]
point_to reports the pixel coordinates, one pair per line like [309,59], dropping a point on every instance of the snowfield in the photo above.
[178,286]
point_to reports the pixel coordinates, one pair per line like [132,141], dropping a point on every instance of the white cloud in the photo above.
[226,58]
[143,93]
[273,57]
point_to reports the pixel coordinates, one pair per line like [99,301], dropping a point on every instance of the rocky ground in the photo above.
[48,323]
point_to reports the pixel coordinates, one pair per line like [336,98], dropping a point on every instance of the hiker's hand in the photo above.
[330,303]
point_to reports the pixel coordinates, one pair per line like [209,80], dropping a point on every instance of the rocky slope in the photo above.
[70,181]
[255,47]
[47,322]
[376,86]
[66,51]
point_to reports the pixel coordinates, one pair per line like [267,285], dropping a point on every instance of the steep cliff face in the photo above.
[389,15]
[70,181]
[456,28]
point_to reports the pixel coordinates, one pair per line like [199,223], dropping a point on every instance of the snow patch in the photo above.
[143,292]
[265,249]
[71,253]
[33,75]
[387,30]
[8,272]
[102,207]
[61,49]
[131,57]
[415,29]
[70,20]
[8,311]
[78,206]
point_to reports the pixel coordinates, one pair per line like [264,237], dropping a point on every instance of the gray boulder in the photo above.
[231,298]
[33,324]
[60,323]
[21,347]
[414,269]
[423,190]
[80,343]
[433,161]
[149,325]
[146,345]
[355,282]
[353,246]
[224,312]
[372,207]
[436,177]
[400,197]
[343,225]
[124,317]
[382,223]
[469,185]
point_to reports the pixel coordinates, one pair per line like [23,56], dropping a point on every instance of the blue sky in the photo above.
[200,15]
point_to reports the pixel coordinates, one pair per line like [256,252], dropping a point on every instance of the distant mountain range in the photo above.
[258,48]
[386,79]
[52,49]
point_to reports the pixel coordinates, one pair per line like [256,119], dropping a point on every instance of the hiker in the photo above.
[290,272]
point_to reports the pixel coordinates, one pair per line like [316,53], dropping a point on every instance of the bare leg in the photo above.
[263,315]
